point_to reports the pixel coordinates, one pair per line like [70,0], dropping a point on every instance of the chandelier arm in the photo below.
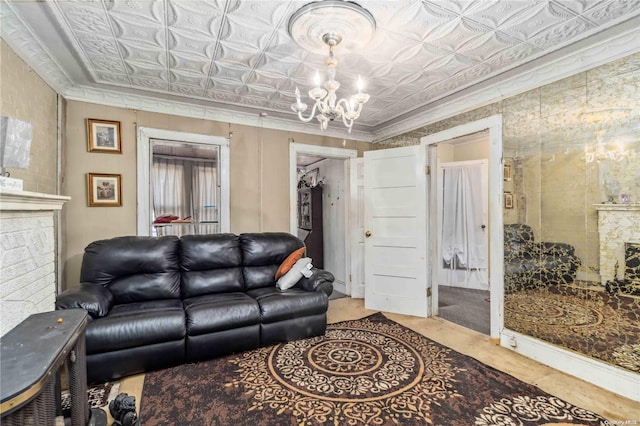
[322,106]
[347,106]
[311,115]
[348,124]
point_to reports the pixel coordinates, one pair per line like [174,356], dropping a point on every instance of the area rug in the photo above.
[371,371]
[592,322]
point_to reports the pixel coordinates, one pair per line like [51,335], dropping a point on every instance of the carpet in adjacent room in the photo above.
[366,371]
[467,307]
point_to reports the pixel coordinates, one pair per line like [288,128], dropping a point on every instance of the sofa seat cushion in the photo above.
[279,305]
[136,324]
[217,312]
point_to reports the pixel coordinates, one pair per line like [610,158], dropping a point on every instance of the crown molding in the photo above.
[19,36]
[589,53]
[186,109]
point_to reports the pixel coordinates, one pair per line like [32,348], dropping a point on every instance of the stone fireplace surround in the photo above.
[617,224]
[27,262]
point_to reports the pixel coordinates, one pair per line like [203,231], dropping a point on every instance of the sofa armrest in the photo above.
[321,280]
[94,298]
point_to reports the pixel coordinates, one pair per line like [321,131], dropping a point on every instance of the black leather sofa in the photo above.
[529,265]
[159,302]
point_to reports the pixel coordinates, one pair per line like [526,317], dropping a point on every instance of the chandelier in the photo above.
[330,23]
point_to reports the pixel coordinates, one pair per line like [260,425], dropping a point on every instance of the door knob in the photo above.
[367,234]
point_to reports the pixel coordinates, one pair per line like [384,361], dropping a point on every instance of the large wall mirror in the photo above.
[572,230]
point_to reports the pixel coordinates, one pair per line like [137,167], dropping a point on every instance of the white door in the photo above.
[395,188]
[356,276]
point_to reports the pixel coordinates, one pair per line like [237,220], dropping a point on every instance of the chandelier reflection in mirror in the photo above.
[330,23]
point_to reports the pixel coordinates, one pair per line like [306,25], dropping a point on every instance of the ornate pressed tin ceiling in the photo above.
[237,57]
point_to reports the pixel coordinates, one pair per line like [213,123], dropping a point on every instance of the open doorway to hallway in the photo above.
[493,125]
[320,200]
[462,245]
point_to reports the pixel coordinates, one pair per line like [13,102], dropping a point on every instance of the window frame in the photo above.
[144,189]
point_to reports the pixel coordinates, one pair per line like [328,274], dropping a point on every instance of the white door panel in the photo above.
[395,207]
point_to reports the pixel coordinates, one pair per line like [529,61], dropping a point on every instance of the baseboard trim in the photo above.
[340,287]
[606,376]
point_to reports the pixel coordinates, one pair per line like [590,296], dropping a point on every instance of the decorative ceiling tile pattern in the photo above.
[239,52]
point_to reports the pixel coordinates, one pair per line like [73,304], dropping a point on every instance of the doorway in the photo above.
[326,170]
[461,266]
[493,128]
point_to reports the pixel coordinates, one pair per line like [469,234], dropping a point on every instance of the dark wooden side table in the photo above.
[31,355]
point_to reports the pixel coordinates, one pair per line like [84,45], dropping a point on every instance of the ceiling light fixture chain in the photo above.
[337,18]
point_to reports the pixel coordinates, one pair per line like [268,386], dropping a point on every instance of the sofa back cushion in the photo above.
[134,269]
[210,264]
[262,254]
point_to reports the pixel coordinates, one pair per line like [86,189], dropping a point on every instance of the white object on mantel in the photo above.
[10,183]
[27,264]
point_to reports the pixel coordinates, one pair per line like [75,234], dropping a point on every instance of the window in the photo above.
[185,194]
[183,183]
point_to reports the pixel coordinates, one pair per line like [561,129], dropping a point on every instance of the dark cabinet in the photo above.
[310,220]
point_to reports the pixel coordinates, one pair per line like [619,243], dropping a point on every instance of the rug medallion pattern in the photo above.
[371,371]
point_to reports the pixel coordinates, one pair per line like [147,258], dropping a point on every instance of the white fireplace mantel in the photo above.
[618,207]
[27,264]
[617,224]
[29,201]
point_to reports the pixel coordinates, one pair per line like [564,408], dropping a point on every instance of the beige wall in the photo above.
[471,151]
[25,96]
[259,174]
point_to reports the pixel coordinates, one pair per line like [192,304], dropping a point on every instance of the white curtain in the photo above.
[204,199]
[170,196]
[463,240]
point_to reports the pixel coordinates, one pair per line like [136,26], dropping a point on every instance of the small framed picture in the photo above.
[104,190]
[508,200]
[507,172]
[104,136]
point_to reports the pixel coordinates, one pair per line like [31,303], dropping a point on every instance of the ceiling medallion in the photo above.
[330,23]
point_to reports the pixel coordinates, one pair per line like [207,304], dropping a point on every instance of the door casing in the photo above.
[328,152]
[496,236]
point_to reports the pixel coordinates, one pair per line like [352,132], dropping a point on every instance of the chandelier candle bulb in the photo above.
[316,79]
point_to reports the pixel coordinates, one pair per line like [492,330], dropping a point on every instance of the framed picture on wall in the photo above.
[508,200]
[104,190]
[507,172]
[104,136]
